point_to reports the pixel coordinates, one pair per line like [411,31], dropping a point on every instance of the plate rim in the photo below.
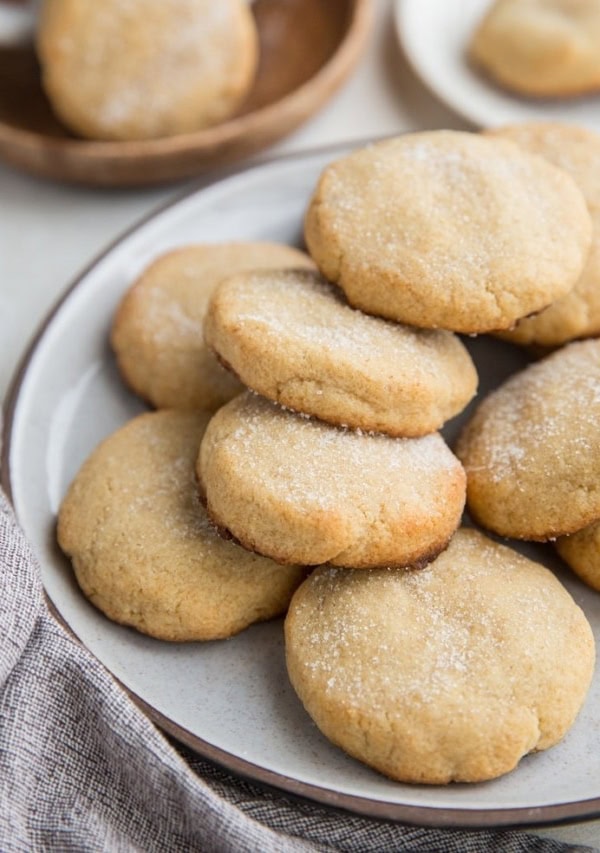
[81,159]
[430,816]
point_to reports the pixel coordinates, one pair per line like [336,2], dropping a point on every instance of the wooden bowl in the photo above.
[308,48]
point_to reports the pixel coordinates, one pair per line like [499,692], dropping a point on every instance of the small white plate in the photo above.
[231,700]
[434,35]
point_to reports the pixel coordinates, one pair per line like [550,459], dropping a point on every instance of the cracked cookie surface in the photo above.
[450,673]
[448,230]
[157,332]
[302,491]
[143,549]
[291,336]
[531,448]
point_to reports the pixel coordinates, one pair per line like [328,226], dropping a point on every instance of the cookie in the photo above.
[531,449]
[157,332]
[449,230]
[145,68]
[581,552]
[142,548]
[302,491]
[540,48]
[447,674]
[291,336]
[577,151]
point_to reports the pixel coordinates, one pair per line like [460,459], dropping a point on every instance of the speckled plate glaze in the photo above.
[231,700]
[434,35]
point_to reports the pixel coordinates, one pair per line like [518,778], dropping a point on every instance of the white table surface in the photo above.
[49,232]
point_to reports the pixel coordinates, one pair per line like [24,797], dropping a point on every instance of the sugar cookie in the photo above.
[577,151]
[581,552]
[532,449]
[143,549]
[302,491]
[446,674]
[540,48]
[292,337]
[141,69]
[157,331]
[450,230]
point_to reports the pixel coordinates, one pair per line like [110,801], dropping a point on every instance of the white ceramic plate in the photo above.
[434,35]
[231,700]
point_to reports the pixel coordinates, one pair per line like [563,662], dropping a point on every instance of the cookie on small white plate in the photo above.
[540,48]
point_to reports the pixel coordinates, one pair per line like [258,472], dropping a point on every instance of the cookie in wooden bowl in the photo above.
[145,68]
[307,50]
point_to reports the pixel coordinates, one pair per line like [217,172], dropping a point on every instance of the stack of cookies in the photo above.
[324,477]
[433,655]
[142,547]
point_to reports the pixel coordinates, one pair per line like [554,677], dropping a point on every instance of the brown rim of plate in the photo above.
[431,816]
[267,116]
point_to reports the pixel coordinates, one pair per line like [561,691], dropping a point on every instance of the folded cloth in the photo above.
[82,768]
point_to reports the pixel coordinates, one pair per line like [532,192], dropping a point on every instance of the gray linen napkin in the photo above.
[82,768]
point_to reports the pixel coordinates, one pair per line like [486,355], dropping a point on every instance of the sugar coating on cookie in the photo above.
[302,491]
[577,151]
[540,48]
[531,450]
[140,69]
[157,331]
[143,549]
[291,336]
[451,673]
[581,552]
[448,229]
